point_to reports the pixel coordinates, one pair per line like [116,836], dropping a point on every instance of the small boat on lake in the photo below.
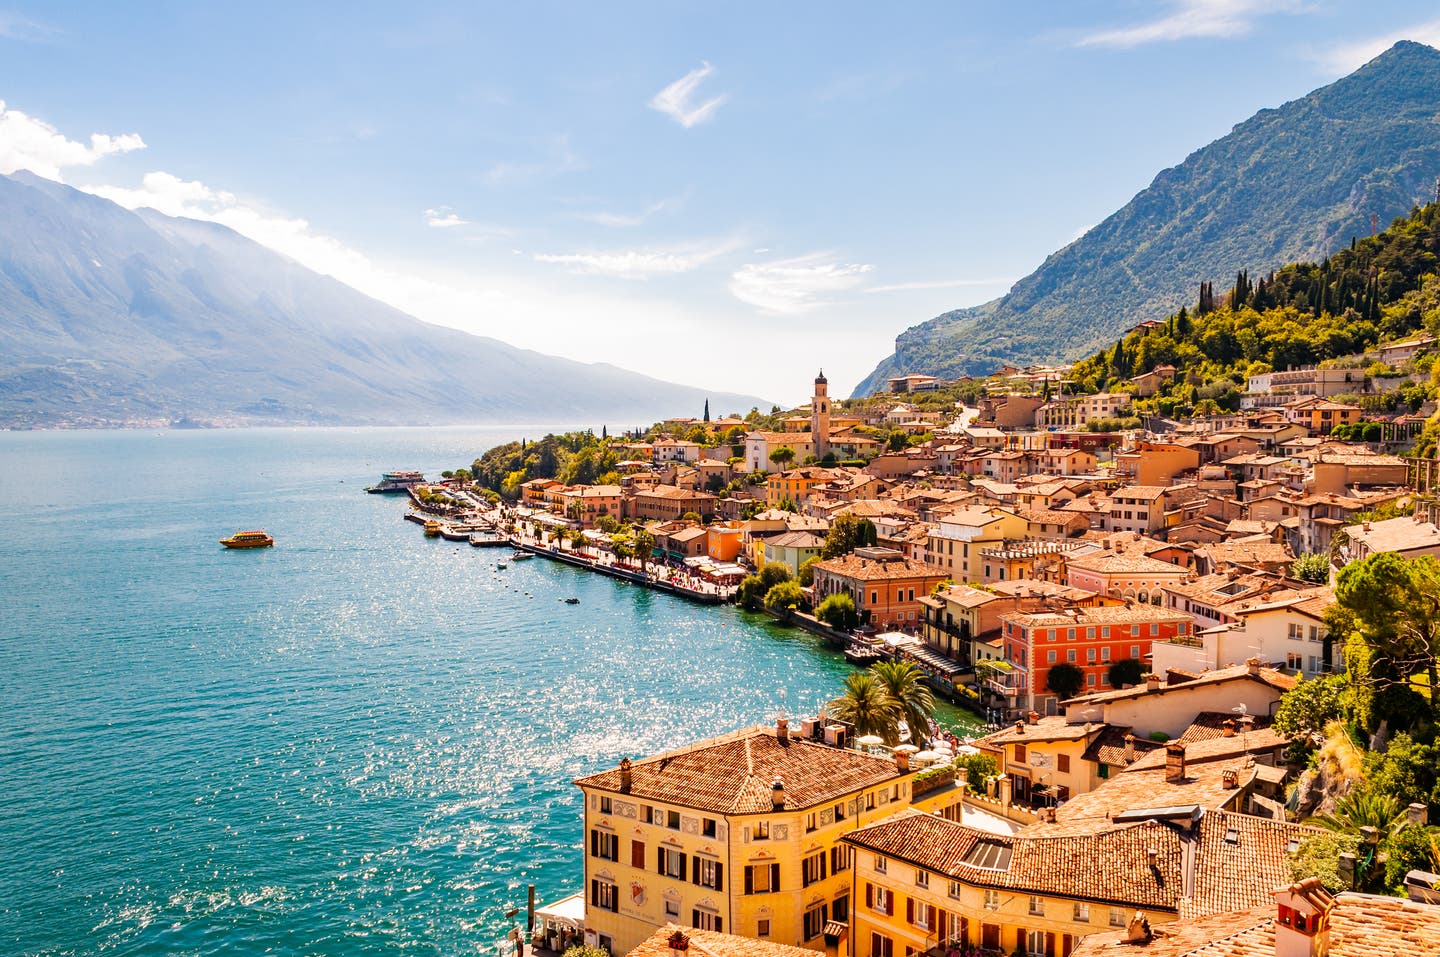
[396,482]
[572,601]
[521,557]
[432,529]
[255,539]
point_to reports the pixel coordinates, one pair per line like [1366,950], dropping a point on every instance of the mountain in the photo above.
[113,317]
[1288,184]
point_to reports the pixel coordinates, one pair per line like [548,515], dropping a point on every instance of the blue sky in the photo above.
[729,195]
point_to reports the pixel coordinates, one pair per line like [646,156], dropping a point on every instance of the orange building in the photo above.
[885,585]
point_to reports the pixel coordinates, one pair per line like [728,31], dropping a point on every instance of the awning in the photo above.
[942,665]
[568,912]
[836,929]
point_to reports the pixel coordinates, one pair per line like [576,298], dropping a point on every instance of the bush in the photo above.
[785,596]
[1126,671]
[978,767]
[838,611]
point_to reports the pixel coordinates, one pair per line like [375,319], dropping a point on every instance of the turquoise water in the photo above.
[358,742]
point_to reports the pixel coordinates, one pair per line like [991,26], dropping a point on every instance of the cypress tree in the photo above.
[707,410]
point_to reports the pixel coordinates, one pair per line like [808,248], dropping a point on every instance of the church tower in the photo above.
[820,416]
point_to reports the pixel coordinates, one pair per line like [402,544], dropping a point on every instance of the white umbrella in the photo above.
[869,740]
[968,749]
[927,756]
[907,748]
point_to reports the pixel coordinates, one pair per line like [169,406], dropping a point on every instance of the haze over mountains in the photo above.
[1288,184]
[112,317]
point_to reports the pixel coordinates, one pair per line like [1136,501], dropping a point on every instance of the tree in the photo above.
[1407,769]
[692,517]
[1126,671]
[866,707]
[786,596]
[751,592]
[847,533]
[581,950]
[914,701]
[806,575]
[1415,848]
[1311,567]
[1394,605]
[783,456]
[644,547]
[1319,856]
[1363,807]
[773,573]
[977,767]
[707,410]
[1065,680]
[1307,708]
[838,611]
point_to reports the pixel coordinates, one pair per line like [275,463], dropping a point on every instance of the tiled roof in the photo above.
[1269,676]
[733,774]
[708,943]
[1134,564]
[1219,748]
[1098,615]
[1134,790]
[868,569]
[1239,860]
[1048,728]
[1109,747]
[1211,724]
[1110,864]
[1361,925]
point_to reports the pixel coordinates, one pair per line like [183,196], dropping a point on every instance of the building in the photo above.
[1408,537]
[1124,575]
[885,585]
[759,444]
[1137,508]
[1156,463]
[792,549]
[672,940]
[955,542]
[820,416]
[1287,630]
[797,484]
[1073,411]
[956,615]
[667,503]
[737,834]
[1273,389]
[1170,708]
[1090,639]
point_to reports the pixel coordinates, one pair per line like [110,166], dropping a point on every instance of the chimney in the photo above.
[1423,887]
[1138,930]
[1417,814]
[1227,728]
[1174,763]
[782,729]
[1252,665]
[1302,919]
[962,777]
[625,775]
[679,943]
[777,792]
[1033,717]
[1229,779]
[1151,856]
[1152,682]
[902,760]
[1019,726]
[1129,747]
[1005,790]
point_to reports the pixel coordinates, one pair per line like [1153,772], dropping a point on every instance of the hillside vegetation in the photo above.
[1288,184]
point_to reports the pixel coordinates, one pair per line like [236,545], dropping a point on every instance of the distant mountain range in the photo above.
[112,317]
[1288,184]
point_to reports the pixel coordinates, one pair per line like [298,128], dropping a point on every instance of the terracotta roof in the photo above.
[733,774]
[1211,724]
[1395,535]
[1219,748]
[1276,679]
[1108,865]
[1133,790]
[1109,747]
[1048,728]
[795,540]
[1099,615]
[1111,564]
[708,943]
[1239,860]
[868,569]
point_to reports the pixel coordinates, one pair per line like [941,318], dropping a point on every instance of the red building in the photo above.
[1091,639]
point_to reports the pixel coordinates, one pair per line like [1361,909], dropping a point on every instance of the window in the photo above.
[1090,632]
[874,598]
[1069,634]
[672,820]
[1020,754]
[920,914]
[1062,763]
[1090,655]
[604,845]
[815,922]
[762,878]
[1135,649]
[1082,912]
[637,854]
[1105,653]
[840,910]
[840,812]
[881,946]
[762,928]
[761,831]
[1070,655]
[1105,631]
[878,899]
[706,920]
[708,873]
[1090,679]
[672,909]
[1035,942]
[669,862]
[1296,631]
[922,878]
[1050,657]
[812,821]
[839,858]
[1037,906]
[812,869]
[992,900]
[1154,629]
[1117,917]
[603,895]
[604,805]
[879,864]
[955,889]
[647,814]
[707,827]
[1293,661]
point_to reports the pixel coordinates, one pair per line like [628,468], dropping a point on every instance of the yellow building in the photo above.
[796,484]
[738,834]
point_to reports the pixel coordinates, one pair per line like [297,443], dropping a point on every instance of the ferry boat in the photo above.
[255,539]
[396,482]
[432,529]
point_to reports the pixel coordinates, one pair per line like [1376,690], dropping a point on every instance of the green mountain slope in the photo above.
[1288,184]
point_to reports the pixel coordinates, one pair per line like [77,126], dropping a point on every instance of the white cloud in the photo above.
[793,286]
[443,218]
[629,219]
[940,284]
[28,143]
[1348,57]
[637,263]
[674,100]
[1194,18]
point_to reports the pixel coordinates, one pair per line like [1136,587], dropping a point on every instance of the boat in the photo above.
[255,539]
[521,557]
[432,529]
[572,601]
[396,482]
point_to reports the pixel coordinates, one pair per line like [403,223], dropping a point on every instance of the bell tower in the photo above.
[820,416]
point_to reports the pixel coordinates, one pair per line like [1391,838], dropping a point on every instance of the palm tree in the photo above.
[1363,808]
[914,701]
[867,707]
[644,547]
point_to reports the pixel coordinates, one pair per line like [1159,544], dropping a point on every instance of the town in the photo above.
[1147,616]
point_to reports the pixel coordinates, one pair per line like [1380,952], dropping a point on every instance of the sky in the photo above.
[727,195]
